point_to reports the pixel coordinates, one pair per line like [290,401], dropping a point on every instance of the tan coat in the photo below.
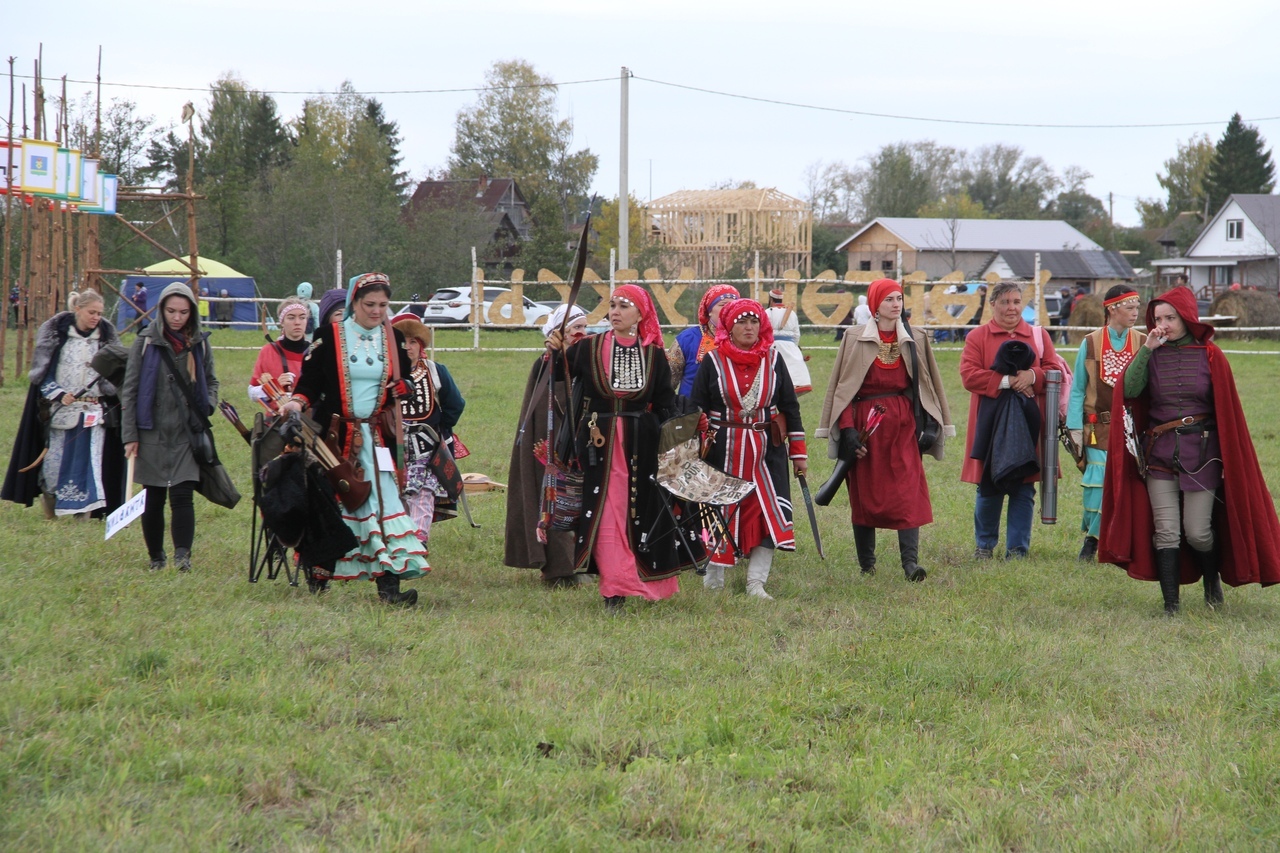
[858,348]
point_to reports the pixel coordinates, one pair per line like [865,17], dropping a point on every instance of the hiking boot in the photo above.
[984,553]
[159,562]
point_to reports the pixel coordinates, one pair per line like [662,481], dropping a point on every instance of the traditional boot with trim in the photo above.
[1169,575]
[714,578]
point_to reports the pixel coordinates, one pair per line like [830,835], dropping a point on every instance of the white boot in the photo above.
[714,578]
[758,572]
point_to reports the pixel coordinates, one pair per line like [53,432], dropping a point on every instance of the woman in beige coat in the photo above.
[869,418]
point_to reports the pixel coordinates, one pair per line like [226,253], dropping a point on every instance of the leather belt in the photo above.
[860,398]
[1190,420]
[761,426]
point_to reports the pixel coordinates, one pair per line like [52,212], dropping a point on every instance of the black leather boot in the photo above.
[1169,575]
[1089,552]
[909,548]
[389,591]
[864,539]
[1207,561]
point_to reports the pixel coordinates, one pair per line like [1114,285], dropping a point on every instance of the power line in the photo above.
[928,119]
[323,92]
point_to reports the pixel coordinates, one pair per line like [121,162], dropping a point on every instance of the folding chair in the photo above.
[705,498]
[266,553]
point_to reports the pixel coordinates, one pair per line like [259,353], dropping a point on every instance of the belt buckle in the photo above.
[1188,420]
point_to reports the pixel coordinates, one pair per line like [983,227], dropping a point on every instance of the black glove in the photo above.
[849,444]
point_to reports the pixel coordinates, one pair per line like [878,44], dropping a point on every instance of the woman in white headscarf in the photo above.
[524,549]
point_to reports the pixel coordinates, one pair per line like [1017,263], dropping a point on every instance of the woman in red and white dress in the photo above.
[746,392]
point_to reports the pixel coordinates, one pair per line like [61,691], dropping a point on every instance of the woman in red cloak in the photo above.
[1198,475]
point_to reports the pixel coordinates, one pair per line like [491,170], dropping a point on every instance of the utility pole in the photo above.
[1111,211]
[624,195]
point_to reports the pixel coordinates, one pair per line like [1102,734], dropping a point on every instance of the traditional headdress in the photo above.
[715,293]
[1182,300]
[649,333]
[776,295]
[361,283]
[557,317]
[411,327]
[879,289]
[724,335]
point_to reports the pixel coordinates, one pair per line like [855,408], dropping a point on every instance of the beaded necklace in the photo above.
[365,341]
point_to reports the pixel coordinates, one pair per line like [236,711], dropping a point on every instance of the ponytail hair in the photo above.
[84,298]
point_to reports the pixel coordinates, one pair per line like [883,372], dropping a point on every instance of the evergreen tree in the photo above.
[1240,164]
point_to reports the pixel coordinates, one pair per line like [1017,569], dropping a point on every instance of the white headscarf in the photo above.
[557,317]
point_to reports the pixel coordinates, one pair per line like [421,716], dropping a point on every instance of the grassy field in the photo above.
[1035,705]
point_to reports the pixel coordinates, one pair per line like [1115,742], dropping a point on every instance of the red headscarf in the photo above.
[1182,300]
[714,293]
[648,331]
[724,340]
[880,288]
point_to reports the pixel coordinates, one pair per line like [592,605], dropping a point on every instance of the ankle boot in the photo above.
[758,572]
[1168,573]
[864,540]
[389,591]
[714,578]
[1207,561]
[1089,551]
[182,559]
[909,548]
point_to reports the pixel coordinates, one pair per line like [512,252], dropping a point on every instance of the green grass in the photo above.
[1037,705]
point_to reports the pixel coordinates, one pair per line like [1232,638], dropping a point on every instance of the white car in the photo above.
[453,305]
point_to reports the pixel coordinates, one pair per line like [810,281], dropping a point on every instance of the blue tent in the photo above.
[219,277]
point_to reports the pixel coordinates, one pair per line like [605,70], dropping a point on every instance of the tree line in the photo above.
[283,195]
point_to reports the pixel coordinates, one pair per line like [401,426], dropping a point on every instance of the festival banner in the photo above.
[107,188]
[89,182]
[39,172]
[4,166]
[68,173]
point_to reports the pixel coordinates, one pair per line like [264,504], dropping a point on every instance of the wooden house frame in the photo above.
[702,229]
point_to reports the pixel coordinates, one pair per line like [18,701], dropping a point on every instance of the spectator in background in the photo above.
[1065,304]
[15,297]
[224,311]
[203,310]
[140,302]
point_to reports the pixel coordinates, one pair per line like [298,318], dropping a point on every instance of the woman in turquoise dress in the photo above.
[348,382]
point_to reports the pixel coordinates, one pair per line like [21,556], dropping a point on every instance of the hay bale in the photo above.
[1086,312]
[1250,308]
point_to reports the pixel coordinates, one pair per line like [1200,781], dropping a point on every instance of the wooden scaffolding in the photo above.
[707,230]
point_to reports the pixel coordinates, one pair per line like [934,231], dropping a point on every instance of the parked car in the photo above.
[453,305]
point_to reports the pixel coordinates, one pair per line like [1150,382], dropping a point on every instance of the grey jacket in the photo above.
[164,453]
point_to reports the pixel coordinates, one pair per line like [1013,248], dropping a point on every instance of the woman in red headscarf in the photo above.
[869,418]
[692,345]
[624,384]
[746,391]
[1204,510]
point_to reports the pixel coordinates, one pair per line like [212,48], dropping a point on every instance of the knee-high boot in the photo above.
[1167,572]
[758,572]
[714,578]
[864,540]
[1207,561]
[389,591]
[909,548]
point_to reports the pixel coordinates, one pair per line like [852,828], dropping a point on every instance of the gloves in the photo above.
[849,444]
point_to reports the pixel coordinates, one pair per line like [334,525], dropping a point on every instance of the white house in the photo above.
[1237,246]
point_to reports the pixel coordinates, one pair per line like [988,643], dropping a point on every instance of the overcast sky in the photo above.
[1087,63]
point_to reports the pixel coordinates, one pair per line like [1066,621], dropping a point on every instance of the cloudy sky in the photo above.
[1186,65]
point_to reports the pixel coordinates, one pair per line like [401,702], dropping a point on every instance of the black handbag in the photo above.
[927,427]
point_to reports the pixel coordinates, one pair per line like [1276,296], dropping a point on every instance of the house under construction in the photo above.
[706,229]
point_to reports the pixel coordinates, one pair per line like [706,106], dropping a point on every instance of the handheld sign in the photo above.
[129,510]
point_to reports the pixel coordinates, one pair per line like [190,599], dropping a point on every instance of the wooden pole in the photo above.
[193,248]
[6,264]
